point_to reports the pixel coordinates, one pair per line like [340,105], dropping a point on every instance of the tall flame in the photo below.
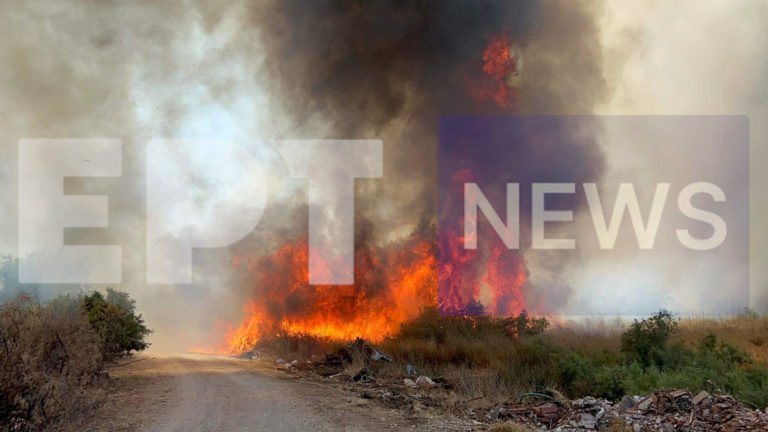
[392,285]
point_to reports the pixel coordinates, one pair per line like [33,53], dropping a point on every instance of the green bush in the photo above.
[646,339]
[120,329]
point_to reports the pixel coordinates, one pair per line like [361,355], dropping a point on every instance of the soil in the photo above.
[210,393]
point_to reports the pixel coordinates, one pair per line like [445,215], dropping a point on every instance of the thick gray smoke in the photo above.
[389,69]
[289,69]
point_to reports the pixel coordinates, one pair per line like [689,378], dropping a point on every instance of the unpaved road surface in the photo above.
[208,393]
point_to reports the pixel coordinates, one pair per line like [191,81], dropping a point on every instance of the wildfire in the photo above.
[498,65]
[392,286]
[486,280]
[393,283]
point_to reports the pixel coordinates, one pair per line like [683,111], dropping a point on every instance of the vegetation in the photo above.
[115,321]
[650,354]
[503,358]
[51,353]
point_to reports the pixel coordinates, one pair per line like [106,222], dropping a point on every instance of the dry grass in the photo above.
[590,336]
[45,363]
[747,333]
[593,336]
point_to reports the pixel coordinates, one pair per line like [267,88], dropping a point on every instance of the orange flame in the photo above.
[391,287]
[498,65]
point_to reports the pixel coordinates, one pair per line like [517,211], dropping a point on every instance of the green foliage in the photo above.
[710,364]
[646,339]
[611,381]
[120,329]
[122,299]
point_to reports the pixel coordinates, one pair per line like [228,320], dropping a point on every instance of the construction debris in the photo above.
[669,410]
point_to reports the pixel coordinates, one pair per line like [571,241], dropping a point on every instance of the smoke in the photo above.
[390,70]
[289,69]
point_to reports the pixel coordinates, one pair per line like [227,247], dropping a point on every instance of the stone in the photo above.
[410,383]
[600,413]
[588,421]
[699,398]
[627,402]
[547,410]
[645,404]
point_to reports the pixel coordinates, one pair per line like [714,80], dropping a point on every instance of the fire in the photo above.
[498,65]
[393,283]
[392,286]
[486,280]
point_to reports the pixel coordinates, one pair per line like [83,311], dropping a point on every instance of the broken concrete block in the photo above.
[410,383]
[699,398]
[645,404]
[588,421]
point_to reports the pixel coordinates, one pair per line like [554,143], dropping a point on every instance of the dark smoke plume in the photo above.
[389,70]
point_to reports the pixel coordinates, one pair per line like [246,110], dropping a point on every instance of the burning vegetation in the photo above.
[393,285]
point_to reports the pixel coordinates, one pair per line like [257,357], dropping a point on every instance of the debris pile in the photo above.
[666,411]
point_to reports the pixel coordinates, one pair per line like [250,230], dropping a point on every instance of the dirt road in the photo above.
[207,393]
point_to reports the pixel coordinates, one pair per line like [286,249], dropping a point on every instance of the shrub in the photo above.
[645,340]
[45,361]
[120,329]
[611,382]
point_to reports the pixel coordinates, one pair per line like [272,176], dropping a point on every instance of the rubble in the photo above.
[666,411]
